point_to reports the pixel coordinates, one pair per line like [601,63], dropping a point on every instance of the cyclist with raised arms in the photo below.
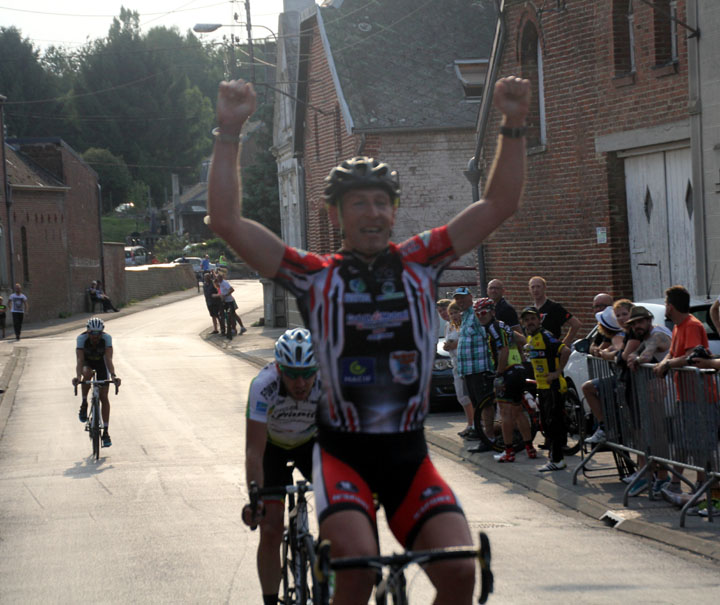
[371,310]
[280,428]
[94,351]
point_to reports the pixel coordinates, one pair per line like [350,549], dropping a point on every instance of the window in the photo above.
[623,37]
[471,73]
[532,69]
[665,32]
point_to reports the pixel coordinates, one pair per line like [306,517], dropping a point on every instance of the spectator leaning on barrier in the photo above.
[654,342]
[613,342]
[688,333]
[715,314]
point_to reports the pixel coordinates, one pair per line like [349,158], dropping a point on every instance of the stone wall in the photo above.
[152,280]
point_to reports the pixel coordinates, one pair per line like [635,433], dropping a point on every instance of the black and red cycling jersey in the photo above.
[374,329]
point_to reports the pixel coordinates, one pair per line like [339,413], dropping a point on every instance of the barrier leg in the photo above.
[704,490]
[641,475]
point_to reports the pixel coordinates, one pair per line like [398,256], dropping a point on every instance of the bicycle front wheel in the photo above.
[496,442]
[95,429]
[288,590]
[574,422]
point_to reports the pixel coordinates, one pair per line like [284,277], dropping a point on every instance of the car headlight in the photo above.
[442,363]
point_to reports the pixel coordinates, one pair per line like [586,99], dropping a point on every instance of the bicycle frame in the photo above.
[298,545]
[94,421]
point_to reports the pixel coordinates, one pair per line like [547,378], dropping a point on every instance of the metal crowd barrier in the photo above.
[674,422]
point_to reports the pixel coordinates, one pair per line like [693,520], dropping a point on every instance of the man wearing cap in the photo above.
[509,378]
[552,314]
[474,363]
[654,340]
[548,357]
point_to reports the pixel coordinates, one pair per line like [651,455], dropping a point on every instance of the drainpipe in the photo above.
[473,172]
[100,231]
[7,193]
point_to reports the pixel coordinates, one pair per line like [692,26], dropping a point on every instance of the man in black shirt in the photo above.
[504,311]
[554,316]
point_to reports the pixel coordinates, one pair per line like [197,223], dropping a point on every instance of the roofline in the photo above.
[344,108]
[56,141]
[53,188]
[411,130]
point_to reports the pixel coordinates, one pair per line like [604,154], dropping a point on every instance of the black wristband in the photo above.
[513,133]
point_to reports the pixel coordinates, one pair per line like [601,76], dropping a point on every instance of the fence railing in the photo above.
[673,421]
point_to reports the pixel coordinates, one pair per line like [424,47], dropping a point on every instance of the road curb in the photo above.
[677,538]
[9,381]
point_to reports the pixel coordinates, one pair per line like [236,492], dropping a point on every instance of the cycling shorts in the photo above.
[101,371]
[276,471]
[350,468]
[515,385]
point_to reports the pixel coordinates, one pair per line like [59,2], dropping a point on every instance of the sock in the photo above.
[270,599]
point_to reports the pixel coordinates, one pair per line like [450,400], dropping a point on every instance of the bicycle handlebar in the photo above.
[256,493]
[98,382]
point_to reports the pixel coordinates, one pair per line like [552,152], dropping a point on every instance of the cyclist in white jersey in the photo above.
[280,429]
[371,310]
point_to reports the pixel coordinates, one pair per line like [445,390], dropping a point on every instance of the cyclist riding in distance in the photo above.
[280,428]
[371,310]
[94,351]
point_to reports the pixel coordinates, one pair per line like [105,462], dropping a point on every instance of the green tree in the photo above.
[113,175]
[29,89]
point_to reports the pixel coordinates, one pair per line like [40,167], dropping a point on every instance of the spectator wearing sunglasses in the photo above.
[280,430]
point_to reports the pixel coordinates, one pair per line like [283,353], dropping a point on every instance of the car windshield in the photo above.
[703,314]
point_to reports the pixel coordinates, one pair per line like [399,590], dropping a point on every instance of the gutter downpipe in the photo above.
[100,231]
[7,193]
[473,172]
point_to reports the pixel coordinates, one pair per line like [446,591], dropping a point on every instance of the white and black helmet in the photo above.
[294,349]
[95,324]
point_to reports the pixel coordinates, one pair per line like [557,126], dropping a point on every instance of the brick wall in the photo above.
[572,190]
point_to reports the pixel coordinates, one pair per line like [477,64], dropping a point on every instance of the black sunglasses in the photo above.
[293,373]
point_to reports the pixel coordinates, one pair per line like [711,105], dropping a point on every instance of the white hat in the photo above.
[606,318]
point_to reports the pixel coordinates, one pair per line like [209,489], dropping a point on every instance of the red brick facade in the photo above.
[56,234]
[571,189]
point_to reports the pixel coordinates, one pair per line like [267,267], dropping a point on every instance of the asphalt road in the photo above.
[156,519]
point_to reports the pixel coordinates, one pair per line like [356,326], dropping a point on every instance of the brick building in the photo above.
[391,83]
[609,204]
[50,229]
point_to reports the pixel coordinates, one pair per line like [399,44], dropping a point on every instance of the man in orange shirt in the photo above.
[688,333]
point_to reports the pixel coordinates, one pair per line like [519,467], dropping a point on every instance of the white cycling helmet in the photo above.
[294,349]
[95,324]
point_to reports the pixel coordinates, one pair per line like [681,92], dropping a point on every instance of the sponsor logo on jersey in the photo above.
[347,486]
[358,371]
[357,297]
[389,292]
[403,366]
[357,285]
[261,406]
[377,320]
[380,335]
[425,237]
[428,492]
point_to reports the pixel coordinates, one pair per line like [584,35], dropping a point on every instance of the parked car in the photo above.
[576,370]
[136,255]
[442,388]
[196,263]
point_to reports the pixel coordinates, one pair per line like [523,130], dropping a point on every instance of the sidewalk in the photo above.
[599,497]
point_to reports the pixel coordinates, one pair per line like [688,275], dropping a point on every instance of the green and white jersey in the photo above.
[290,423]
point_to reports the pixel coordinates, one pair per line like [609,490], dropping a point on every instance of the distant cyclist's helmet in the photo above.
[484,304]
[95,324]
[361,172]
[294,349]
